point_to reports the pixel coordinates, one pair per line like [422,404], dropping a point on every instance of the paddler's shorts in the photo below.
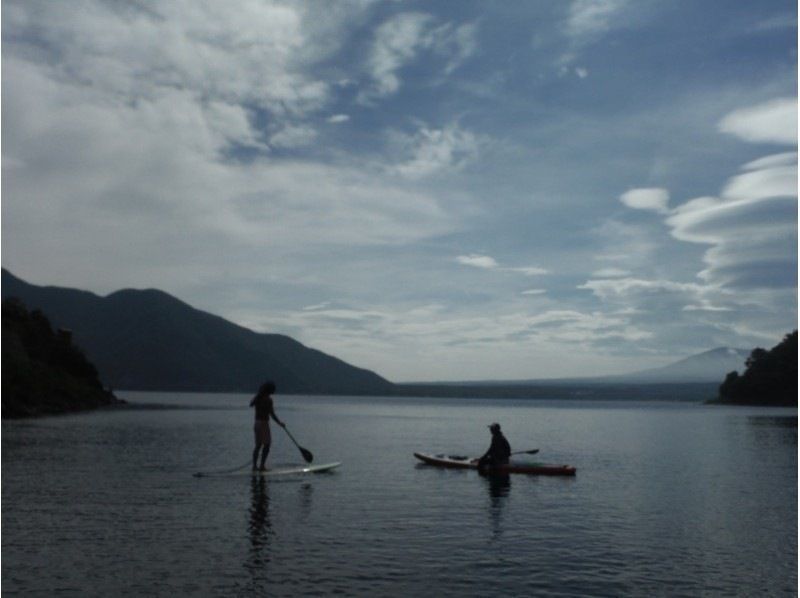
[262,432]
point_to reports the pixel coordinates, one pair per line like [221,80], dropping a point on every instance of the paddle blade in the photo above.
[306,454]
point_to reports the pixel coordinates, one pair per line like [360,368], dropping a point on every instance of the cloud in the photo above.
[761,183]
[293,136]
[338,118]
[534,292]
[528,271]
[774,121]
[752,227]
[396,43]
[438,339]
[610,273]
[489,263]
[621,287]
[430,151]
[625,246]
[590,18]
[401,39]
[652,199]
[477,261]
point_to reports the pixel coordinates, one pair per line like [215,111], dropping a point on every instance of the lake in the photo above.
[669,498]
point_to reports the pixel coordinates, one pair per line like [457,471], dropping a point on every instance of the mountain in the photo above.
[709,366]
[43,372]
[149,340]
[704,368]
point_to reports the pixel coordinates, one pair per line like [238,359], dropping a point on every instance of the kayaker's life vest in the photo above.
[499,451]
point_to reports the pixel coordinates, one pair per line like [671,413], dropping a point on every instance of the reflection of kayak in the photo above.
[458,462]
[274,471]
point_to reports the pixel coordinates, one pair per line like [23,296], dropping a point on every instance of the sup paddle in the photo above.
[305,452]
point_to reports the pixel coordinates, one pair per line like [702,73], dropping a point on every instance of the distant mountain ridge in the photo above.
[701,368]
[149,340]
[709,366]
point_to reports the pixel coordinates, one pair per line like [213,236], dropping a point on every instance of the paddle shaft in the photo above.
[305,452]
[530,452]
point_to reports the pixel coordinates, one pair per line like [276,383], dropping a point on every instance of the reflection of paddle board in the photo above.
[513,467]
[278,471]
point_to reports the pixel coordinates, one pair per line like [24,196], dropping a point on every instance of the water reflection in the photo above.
[260,527]
[773,421]
[768,430]
[499,486]
[306,495]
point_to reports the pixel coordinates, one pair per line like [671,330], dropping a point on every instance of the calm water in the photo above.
[669,499]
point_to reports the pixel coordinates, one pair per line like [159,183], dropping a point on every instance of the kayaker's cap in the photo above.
[494,427]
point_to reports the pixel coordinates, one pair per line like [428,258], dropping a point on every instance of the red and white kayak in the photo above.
[458,462]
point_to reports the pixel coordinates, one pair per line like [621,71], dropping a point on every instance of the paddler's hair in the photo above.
[267,388]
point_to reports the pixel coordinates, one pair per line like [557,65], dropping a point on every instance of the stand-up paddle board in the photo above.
[457,462]
[276,471]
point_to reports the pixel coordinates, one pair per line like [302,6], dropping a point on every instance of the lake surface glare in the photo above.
[669,499]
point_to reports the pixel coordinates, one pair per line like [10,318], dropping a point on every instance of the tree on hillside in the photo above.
[770,377]
[43,372]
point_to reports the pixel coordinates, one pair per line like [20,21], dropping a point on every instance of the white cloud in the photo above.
[625,246]
[589,18]
[317,306]
[437,340]
[653,199]
[128,138]
[534,292]
[430,151]
[456,44]
[293,136]
[396,43]
[477,261]
[528,271]
[400,40]
[610,273]
[774,121]
[619,287]
[582,72]
[752,228]
[338,118]
[761,183]
[773,161]
[489,263]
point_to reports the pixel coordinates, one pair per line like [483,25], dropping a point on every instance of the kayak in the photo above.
[458,462]
[275,471]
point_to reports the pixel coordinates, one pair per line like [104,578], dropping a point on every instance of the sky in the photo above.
[438,190]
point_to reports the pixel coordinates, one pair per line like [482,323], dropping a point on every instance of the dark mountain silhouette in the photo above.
[770,377]
[43,372]
[149,340]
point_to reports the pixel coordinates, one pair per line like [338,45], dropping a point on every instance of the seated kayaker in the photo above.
[499,451]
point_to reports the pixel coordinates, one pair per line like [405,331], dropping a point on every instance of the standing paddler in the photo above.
[264,410]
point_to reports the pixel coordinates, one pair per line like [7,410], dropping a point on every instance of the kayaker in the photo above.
[499,451]
[264,410]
